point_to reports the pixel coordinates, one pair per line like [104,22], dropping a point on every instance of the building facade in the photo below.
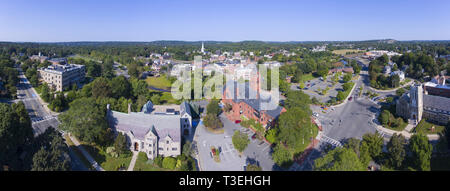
[59,77]
[151,131]
[415,106]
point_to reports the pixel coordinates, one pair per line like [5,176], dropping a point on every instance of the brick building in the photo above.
[248,104]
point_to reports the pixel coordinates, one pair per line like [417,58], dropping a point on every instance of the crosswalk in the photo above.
[331,141]
[35,120]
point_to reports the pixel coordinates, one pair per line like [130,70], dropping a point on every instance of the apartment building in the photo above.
[59,77]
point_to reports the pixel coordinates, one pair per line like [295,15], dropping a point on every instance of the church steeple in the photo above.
[203,48]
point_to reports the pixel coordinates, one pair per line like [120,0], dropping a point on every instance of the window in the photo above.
[174,149]
[167,142]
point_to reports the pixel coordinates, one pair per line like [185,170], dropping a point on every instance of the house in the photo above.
[245,105]
[387,69]
[151,131]
[341,69]
[400,74]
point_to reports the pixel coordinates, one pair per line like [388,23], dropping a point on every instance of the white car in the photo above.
[315,114]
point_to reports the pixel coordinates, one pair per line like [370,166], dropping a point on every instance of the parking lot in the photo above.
[315,86]
[256,152]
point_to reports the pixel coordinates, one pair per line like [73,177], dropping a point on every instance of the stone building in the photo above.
[415,105]
[59,77]
[153,131]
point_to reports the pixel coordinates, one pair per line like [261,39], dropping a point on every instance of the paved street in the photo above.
[41,117]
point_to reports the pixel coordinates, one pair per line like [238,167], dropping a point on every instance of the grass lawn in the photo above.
[399,128]
[160,82]
[344,51]
[106,161]
[425,127]
[440,163]
[307,77]
[143,164]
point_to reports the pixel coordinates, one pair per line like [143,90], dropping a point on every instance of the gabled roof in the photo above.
[185,108]
[140,124]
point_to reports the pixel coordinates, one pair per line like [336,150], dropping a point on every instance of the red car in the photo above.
[237,121]
[213,151]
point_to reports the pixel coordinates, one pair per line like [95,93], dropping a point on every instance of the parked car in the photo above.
[213,150]
[237,121]
[350,98]
[254,136]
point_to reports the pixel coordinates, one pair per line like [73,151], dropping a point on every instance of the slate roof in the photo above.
[140,124]
[436,102]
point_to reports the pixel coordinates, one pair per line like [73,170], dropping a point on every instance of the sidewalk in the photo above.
[405,133]
[86,154]
[133,161]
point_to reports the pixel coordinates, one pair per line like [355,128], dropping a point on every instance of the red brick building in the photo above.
[246,105]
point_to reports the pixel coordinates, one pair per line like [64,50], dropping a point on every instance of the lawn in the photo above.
[307,77]
[160,82]
[143,164]
[344,51]
[425,128]
[105,160]
[399,128]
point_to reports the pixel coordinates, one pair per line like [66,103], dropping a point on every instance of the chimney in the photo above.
[129,108]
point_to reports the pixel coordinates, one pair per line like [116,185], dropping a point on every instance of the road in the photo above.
[40,116]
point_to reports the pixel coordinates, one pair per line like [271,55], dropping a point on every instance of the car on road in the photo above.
[254,136]
[237,121]
[350,98]
[315,114]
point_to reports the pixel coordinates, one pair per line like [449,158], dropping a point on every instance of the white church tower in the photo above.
[203,48]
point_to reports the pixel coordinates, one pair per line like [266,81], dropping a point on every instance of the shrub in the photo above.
[169,163]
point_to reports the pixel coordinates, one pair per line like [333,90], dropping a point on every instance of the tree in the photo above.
[339,159]
[281,156]
[364,154]
[354,144]
[169,163]
[297,99]
[347,86]
[347,77]
[253,167]
[421,151]
[53,154]
[187,148]
[384,117]
[133,70]
[156,99]
[15,133]
[212,121]
[120,144]
[120,87]
[240,141]
[85,120]
[101,88]
[213,107]
[396,150]
[45,93]
[375,143]
[340,96]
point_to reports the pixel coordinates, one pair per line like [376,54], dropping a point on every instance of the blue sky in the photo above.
[229,20]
